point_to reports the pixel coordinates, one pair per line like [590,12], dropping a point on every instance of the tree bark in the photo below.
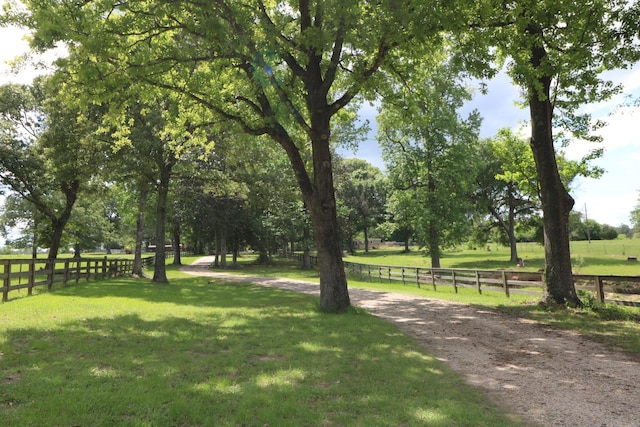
[137,257]
[513,243]
[160,271]
[57,227]
[306,252]
[556,201]
[177,260]
[222,232]
[366,240]
[509,227]
[70,190]
[434,245]
[334,295]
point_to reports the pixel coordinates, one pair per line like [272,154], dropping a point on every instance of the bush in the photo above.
[608,311]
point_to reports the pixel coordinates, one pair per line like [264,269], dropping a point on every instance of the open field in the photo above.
[605,257]
[128,352]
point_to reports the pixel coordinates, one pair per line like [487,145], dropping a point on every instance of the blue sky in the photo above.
[608,200]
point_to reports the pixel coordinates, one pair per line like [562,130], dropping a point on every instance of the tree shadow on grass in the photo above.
[197,291]
[254,364]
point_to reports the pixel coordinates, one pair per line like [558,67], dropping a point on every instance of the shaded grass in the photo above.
[133,353]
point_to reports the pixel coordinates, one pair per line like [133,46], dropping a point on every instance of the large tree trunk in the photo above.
[177,259]
[306,250]
[513,243]
[57,227]
[319,197]
[556,201]
[137,257]
[434,234]
[366,240]
[434,245]
[58,223]
[334,296]
[222,233]
[160,271]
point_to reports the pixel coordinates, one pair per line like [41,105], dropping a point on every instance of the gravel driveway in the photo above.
[548,376]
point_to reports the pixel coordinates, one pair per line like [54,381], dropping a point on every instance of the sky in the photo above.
[608,200]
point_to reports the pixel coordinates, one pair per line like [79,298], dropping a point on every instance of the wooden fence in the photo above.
[623,290]
[23,273]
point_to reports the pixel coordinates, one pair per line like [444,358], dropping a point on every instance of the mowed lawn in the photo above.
[129,352]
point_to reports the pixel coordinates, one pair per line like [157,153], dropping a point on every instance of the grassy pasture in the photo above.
[128,352]
[604,257]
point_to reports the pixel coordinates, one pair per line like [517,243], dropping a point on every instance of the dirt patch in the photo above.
[547,376]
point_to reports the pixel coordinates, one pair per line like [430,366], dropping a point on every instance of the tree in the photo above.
[361,194]
[429,154]
[400,225]
[608,232]
[625,230]
[634,216]
[508,187]
[556,51]
[151,138]
[286,70]
[48,152]
[506,184]
[92,223]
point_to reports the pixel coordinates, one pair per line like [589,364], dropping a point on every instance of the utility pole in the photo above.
[586,223]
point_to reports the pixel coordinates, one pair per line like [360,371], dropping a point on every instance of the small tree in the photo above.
[428,150]
[48,150]
[634,216]
[361,196]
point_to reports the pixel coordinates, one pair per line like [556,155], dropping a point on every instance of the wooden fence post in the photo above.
[453,277]
[51,266]
[433,279]
[599,289]
[505,283]
[478,282]
[6,278]
[418,277]
[65,276]
[32,276]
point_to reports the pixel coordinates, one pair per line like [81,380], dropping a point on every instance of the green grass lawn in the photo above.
[128,352]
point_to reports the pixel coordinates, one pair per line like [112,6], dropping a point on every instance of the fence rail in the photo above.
[22,273]
[622,290]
